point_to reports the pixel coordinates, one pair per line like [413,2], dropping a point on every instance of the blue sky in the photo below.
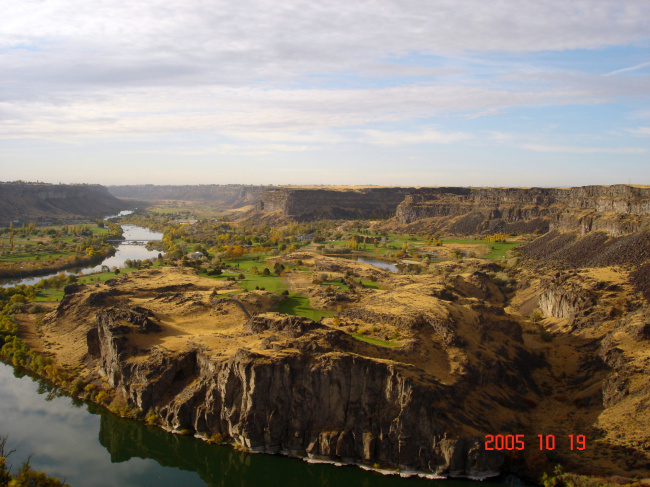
[405,92]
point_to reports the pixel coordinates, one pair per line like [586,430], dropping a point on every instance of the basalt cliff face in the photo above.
[32,201]
[616,209]
[330,405]
[304,204]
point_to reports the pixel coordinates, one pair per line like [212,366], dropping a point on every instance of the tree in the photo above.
[26,476]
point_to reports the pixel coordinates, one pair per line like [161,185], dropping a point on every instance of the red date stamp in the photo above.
[518,442]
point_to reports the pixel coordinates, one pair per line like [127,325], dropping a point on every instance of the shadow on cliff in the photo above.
[222,465]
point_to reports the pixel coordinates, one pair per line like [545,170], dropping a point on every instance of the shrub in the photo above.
[151,417]
[544,334]
[77,386]
[215,438]
[101,397]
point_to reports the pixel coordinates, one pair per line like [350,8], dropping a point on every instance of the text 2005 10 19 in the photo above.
[518,442]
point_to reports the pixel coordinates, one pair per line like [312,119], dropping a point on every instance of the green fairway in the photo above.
[298,305]
[499,249]
[269,283]
[370,284]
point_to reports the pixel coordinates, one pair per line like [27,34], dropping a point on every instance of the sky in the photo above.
[368,92]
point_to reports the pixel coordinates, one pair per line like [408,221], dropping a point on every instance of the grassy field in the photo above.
[275,284]
[298,305]
[499,250]
[370,284]
[35,255]
[376,341]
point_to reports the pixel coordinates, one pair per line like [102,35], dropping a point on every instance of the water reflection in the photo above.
[387,266]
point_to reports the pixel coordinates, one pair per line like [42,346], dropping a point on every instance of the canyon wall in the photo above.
[304,204]
[33,201]
[618,209]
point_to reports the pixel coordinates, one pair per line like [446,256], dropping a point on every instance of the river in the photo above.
[88,446]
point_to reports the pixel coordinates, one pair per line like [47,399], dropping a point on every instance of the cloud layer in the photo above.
[262,77]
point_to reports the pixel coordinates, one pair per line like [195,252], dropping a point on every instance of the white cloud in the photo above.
[642,131]
[74,43]
[631,68]
[259,77]
[395,138]
[247,111]
[584,150]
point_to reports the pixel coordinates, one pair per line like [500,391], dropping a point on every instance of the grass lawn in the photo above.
[49,294]
[370,284]
[298,305]
[275,284]
[499,249]
[376,341]
[248,262]
[269,283]
[43,255]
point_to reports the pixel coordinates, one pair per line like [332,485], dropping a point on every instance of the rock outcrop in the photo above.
[561,298]
[411,376]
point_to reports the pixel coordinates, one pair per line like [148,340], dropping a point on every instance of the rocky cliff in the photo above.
[33,201]
[616,209]
[303,204]
[327,405]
